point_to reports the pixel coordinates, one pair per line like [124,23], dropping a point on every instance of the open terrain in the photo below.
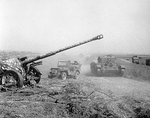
[120,86]
[86,97]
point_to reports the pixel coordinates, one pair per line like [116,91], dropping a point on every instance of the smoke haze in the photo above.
[43,26]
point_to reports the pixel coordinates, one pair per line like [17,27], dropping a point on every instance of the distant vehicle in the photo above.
[106,65]
[147,62]
[135,59]
[65,69]
[141,60]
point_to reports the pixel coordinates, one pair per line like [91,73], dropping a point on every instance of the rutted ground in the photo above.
[121,86]
[86,97]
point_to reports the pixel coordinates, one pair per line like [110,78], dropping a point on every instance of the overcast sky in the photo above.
[48,25]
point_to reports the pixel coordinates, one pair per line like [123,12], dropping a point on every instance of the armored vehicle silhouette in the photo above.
[106,65]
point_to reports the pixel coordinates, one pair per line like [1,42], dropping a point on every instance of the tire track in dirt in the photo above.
[120,86]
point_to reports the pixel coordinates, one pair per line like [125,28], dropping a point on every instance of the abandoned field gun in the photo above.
[17,72]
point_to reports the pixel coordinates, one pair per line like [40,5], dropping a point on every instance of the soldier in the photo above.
[99,60]
[76,63]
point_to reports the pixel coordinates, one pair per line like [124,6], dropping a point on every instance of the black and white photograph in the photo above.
[74,58]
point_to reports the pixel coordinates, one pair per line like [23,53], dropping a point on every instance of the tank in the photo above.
[106,66]
[18,72]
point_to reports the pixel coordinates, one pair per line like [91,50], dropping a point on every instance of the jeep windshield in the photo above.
[62,63]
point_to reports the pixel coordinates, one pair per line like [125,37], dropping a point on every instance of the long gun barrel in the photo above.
[60,50]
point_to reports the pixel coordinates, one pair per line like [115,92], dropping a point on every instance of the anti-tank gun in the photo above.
[20,71]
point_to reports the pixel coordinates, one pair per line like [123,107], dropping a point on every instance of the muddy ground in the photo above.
[86,97]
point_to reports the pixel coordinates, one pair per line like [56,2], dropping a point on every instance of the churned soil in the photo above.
[85,97]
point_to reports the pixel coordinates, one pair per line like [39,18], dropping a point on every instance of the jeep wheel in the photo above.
[50,76]
[77,75]
[64,75]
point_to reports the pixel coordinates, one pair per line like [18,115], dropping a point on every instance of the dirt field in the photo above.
[120,86]
[86,97]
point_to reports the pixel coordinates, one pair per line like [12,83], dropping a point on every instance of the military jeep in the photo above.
[65,69]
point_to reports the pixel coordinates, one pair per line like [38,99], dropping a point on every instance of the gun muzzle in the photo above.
[100,36]
[97,37]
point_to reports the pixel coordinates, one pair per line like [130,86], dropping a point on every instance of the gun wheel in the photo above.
[64,75]
[77,74]
[12,79]
[34,74]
